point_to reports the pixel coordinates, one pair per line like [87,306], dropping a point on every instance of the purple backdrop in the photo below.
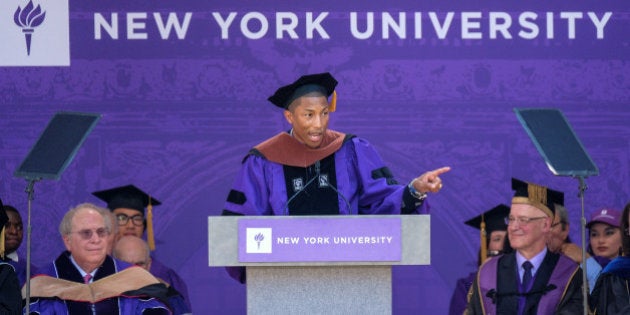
[180,113]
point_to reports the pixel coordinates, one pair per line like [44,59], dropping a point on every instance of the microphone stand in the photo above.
[317,172]
[29,190]
[582,187]
[322,180]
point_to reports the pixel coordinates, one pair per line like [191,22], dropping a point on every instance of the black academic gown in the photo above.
[611,294]
[10,296]
[507,286]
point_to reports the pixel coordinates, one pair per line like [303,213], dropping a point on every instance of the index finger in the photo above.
[440,171]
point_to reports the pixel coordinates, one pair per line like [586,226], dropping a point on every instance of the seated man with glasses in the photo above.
[85,280]
[532,279]
[128,204]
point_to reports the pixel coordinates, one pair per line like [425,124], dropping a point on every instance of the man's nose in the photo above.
[11,228]
[95,238]
[317,122]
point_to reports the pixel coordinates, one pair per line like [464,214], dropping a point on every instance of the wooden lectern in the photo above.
[338,285]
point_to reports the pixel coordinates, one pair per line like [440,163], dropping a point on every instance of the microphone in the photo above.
[310,181]
[324,180]
[493,294]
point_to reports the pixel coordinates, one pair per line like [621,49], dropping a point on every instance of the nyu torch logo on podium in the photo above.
[34,33]
[258,241]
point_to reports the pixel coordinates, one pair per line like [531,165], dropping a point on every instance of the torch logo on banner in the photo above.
[28,19]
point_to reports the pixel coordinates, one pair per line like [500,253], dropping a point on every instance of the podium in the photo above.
[319,264]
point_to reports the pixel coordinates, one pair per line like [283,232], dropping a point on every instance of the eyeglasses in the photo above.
[521,220]
[556,224]
[138,219]
[87,234]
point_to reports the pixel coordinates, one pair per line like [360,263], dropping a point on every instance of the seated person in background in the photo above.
[135,251]
[604,235]
[493,234]
[113,235]
[532,279]
[312,170]
[10,298]
[560,242]
[13,235]
[85,280]
[128,204]
[612,294]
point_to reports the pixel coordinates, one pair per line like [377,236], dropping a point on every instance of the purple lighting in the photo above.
[29,18]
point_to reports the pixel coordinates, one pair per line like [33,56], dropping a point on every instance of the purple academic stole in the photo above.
[561,276]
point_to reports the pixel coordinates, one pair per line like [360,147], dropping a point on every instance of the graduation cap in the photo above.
[488,222]
[320,82]
[536,195]
[131,197]
[3,221]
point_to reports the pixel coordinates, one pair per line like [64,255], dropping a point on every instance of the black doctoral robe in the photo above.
[10,297]
[611,294]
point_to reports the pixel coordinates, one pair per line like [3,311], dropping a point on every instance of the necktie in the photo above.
[87,278]
[527,279]
[527,275]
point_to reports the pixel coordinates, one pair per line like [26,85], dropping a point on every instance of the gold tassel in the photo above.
[537,193]
[333,102]
[483,243]
[2,243]
[150,238]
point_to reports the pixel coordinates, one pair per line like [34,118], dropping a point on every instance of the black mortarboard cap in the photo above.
[129,196]
[494,219]
[536,195]
[487,222]
[322,82]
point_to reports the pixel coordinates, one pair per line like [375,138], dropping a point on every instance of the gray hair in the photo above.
[562,212]
[65,227]
[114,222]
[134,240]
